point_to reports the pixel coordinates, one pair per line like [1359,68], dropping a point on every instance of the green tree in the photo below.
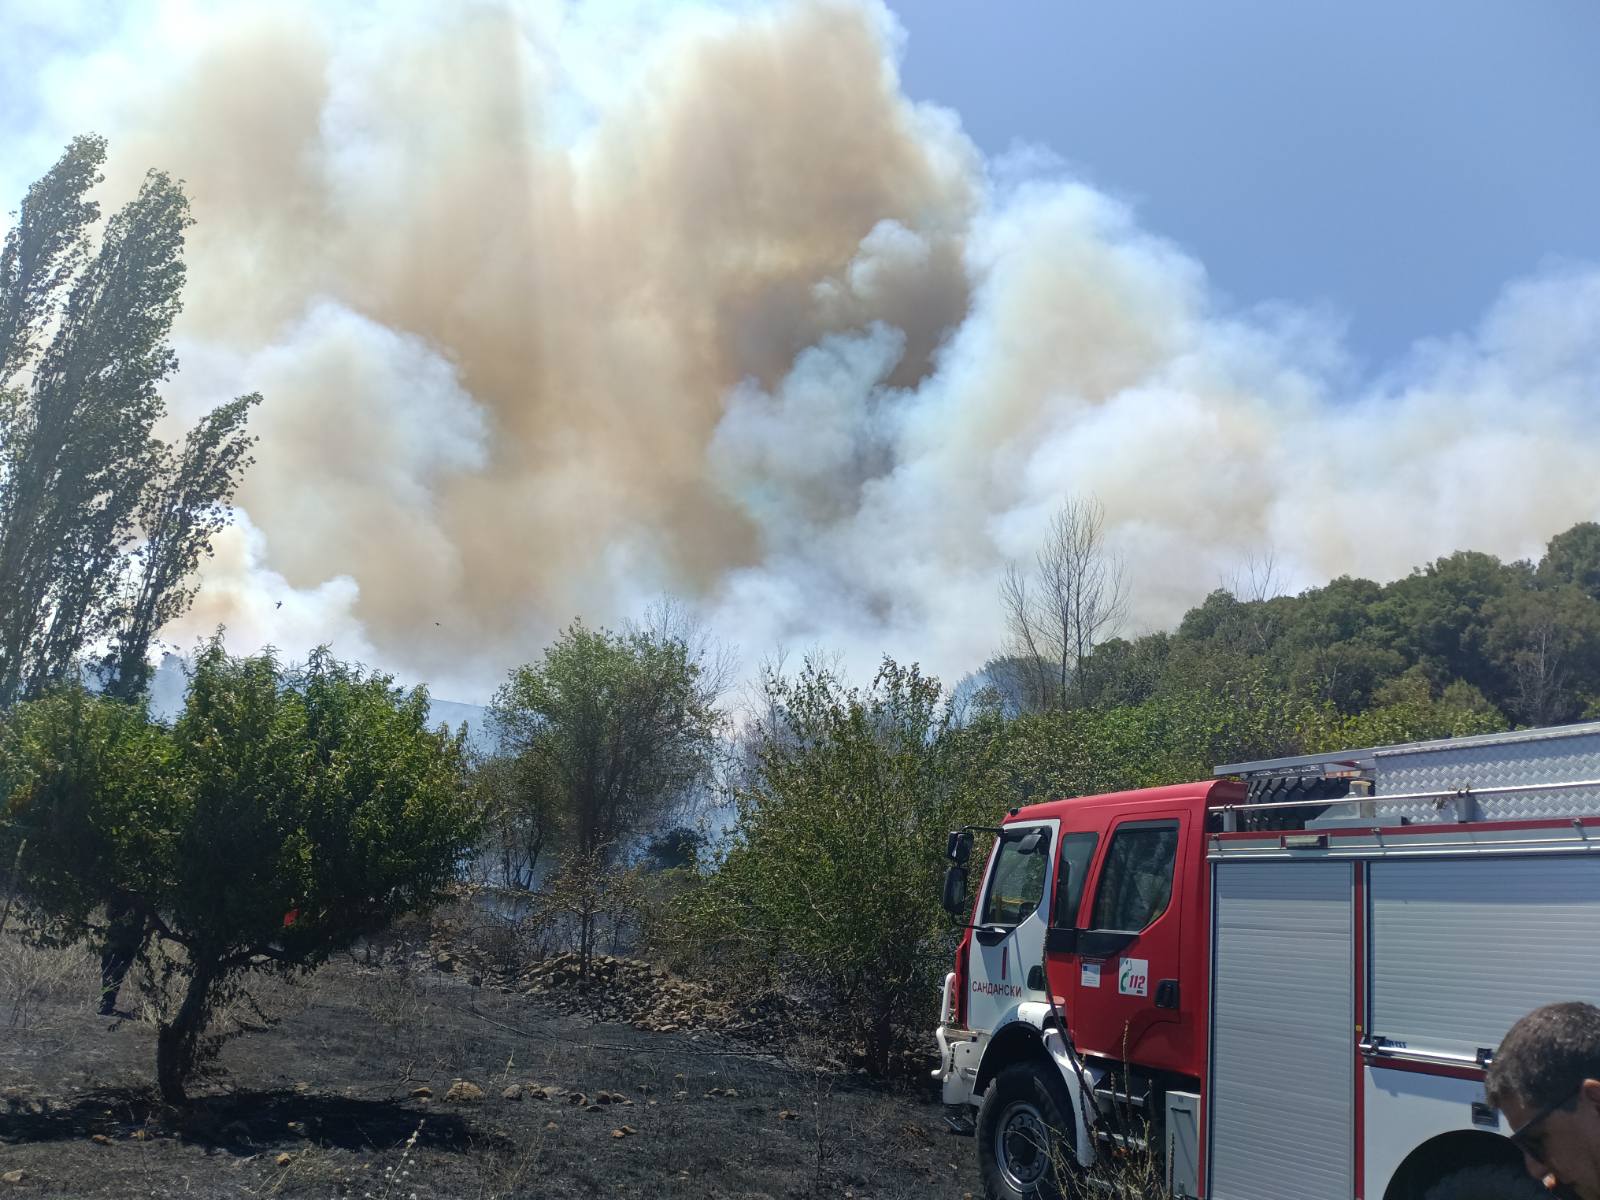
[1545,645]
[521,814]
[83,352]
[833,878]
[1410,709]
[1574,557]
[603,738]
[1438,617]
[319,795]
[183,507]
[615,727]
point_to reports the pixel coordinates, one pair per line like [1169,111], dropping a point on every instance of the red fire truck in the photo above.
[1284,982]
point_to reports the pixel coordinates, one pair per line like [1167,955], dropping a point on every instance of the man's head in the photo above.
[1545,1077]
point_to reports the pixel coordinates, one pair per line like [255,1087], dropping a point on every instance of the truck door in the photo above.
[1126,979]
[1008,938]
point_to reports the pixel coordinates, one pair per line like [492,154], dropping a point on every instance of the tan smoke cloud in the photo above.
[558,308]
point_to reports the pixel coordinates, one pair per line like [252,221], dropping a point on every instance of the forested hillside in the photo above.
[1467,640]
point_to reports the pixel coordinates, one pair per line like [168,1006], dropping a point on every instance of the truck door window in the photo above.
[1017,883]
[1077,851]
[1136,879]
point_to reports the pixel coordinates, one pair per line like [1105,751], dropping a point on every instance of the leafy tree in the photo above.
[1545,645]
[614,727]
[183,507]
[1122,672]
[92,785]
[833,878]
[675,849]
[83,351]
[521,815]
[1573,557]
[1438,616]
[1409,709]
[284,815]
[604,736]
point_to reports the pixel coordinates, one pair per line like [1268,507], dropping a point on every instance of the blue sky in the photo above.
[1395,163]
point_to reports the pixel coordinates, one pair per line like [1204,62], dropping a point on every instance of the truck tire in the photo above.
[1025,1136]
[1499,1182]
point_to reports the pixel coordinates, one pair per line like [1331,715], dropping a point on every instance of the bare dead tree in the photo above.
[1072,600]
[1253,584]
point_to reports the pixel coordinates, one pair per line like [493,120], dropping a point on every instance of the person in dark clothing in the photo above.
[125,932]
[1545,1077]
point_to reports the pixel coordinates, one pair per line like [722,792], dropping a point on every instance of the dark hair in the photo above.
[1546,1056]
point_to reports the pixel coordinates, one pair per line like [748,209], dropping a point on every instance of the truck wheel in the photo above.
[1498,1182]
[1025,1136]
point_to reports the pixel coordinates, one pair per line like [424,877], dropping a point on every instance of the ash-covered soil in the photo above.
[349,1093]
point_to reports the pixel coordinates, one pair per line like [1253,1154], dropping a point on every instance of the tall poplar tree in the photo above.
[101,523]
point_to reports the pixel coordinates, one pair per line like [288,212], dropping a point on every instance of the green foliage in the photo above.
[833,878]
[1574,557]
[92,786]
[1526,637]
[183,506]
[100,522]
[611,729]
[320,793]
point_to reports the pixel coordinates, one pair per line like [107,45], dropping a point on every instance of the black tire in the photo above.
[1026,1137]
[1500,1182]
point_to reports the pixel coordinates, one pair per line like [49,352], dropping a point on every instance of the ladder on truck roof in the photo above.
[1522,774]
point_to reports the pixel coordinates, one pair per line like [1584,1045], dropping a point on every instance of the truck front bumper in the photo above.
[960,1051]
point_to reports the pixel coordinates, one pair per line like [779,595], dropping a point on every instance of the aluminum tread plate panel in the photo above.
[1463,947]
[1282,1029]
[1505,761]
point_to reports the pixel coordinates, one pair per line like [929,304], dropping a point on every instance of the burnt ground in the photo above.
[322,1102]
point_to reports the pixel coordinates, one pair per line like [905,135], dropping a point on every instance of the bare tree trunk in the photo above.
[11,888]
[178,1041]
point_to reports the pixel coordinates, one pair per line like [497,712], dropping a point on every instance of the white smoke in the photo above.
[560,307]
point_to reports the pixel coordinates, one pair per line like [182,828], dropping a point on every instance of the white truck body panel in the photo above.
[1404,1109]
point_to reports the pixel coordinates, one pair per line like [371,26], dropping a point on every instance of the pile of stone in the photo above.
[628,991]
[647,996]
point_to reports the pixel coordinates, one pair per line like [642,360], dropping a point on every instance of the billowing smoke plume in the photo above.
[558,309]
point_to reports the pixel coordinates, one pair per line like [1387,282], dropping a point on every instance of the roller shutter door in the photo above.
[1282,1032]
[1463,947]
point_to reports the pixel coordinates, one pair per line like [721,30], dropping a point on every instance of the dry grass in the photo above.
[38,986]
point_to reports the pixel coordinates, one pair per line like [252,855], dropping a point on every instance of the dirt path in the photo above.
[328,1102]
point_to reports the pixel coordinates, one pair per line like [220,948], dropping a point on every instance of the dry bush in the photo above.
[395,999]
[1135,1175]
[33,977]
[1121,1173]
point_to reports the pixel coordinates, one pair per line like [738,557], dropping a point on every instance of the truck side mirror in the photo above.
[958,847]
[955,889]
[1059,915]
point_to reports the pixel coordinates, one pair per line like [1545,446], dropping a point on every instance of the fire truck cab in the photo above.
[1282,982]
